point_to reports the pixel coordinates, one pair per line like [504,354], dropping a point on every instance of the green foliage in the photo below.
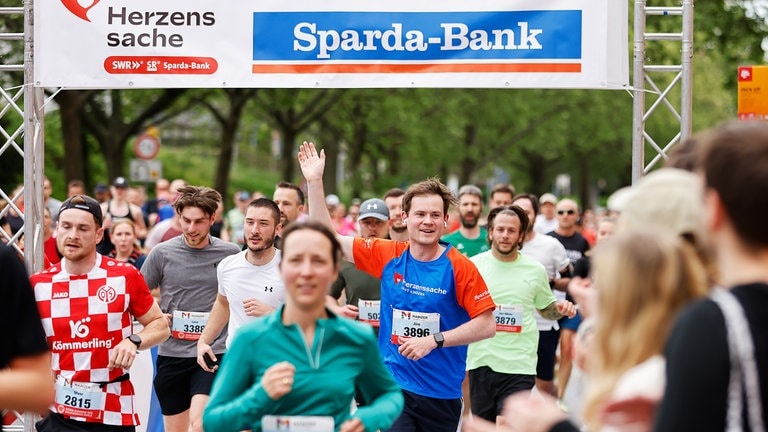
[393,137]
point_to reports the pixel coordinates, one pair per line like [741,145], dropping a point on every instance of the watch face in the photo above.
[136,339]
[439,339]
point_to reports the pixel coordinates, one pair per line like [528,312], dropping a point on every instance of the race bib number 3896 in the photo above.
[408,324]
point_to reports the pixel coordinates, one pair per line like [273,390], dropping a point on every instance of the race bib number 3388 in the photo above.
[188,325]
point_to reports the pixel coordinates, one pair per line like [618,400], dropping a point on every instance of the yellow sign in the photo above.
[753,93]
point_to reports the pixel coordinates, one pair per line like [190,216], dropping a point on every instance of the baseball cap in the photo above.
[243,196]
[100,188]
[332,200]
[83,202]
[548,198]
[667,197]
[120,182]
[374,208]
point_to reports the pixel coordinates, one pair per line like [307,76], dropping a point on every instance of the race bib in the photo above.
[408,324]
[188,325]
[369,311]
[270,423]
[509,318]
[84,400]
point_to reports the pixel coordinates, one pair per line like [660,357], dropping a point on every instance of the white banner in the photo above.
[333,43]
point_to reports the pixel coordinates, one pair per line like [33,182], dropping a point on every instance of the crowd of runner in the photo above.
[425,309]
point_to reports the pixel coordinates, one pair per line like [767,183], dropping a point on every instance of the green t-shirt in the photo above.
[342,360]
[518,287]
[468,247]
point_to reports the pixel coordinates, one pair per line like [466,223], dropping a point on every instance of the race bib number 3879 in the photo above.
[509,318]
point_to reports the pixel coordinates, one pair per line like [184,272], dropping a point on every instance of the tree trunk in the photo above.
[468,163]
[230,123]
[286,153]
[71,103]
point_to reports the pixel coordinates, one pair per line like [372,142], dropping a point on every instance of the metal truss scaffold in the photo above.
[659,95]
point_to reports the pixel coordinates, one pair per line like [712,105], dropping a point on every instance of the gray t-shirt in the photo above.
[187,281]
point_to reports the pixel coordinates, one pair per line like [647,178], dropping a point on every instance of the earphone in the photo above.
[405,221]
[445,224]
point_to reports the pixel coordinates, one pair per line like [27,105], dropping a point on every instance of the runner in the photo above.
[434,300]
[88,303]
[312,361]
[249,282]
[506,363]
[182,272]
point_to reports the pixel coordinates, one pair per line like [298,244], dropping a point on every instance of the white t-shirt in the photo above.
[240,280]
[551,254]
[544,225]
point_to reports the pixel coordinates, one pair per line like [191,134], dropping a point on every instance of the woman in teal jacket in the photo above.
[301,365]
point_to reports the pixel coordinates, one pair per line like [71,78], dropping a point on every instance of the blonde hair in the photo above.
[130,223]
[643,280]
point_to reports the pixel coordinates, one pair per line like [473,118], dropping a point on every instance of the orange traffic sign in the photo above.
[753,93]
[146,146]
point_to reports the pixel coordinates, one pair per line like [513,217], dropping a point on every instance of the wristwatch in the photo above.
[136,339]
[439,339]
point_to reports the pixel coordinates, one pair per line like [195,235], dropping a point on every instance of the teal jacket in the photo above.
[344,357]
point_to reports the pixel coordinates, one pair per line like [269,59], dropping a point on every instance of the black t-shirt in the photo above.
[575,246]
[698,364]
[18,311]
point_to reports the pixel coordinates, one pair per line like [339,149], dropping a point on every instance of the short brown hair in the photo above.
[204,198]
[288,185]
[430,186]
[511,210]
[685,155]
[734,160]
[394,193]
[502,188]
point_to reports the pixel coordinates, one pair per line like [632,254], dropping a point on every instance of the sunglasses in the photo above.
[569,212]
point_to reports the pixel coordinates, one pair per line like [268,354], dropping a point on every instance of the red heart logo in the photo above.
[79,10]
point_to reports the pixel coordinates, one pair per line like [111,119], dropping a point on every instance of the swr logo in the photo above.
[78,9]
[79,329]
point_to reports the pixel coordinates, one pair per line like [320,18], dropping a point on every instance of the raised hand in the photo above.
[311,162]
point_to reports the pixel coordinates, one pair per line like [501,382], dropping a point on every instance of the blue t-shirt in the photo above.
[449,286]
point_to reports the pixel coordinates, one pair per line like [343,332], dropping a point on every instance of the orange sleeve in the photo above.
[471,291]
[371,255]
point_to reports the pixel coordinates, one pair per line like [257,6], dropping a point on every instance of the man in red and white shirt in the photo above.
[87,304]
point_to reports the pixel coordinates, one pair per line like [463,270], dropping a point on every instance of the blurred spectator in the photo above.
[101,192]
[75,187]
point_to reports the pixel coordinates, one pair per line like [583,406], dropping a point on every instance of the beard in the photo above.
[266,243]
[399,229]
[505,252]
[469,223]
